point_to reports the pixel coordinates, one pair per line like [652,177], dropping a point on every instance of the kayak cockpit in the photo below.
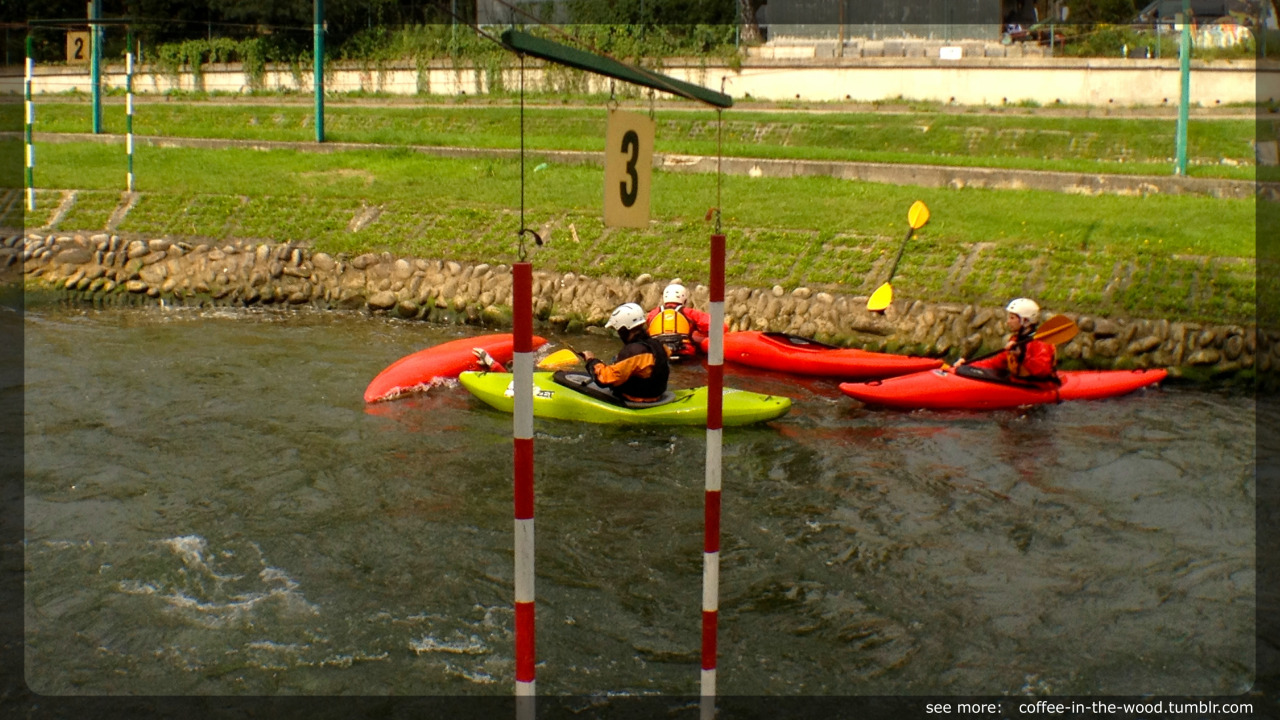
[585,384]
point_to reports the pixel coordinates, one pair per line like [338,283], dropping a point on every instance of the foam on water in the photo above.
[200,593]
[461,646]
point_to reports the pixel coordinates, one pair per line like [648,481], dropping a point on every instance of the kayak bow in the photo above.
[417,371]
[797,355]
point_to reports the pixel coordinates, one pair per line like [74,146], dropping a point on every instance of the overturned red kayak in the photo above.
[804,356]
[944,390]
[416,372]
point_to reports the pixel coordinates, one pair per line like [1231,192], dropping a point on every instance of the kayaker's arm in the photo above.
[619,372]
[486,361]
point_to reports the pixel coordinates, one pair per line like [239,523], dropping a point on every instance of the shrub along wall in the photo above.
[108,269]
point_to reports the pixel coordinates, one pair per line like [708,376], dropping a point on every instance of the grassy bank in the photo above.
[1217,148]
[1178,257]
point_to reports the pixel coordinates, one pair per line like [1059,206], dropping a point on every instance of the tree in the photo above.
[750,25]
[1102,11]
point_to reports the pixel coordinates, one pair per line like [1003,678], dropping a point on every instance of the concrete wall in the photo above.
[981,81]
[968,81]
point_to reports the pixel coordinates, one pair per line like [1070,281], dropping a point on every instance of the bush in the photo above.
[1111,41]
[377,46]
[1115,40]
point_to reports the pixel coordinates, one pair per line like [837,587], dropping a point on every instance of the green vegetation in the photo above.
[1117,40]
[92,209]
[1216,147]
[171,59]
[1182,257]
[377,46]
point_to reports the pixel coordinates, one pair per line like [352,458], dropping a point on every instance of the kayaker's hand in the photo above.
[588,355]
[483,357]
[958,363]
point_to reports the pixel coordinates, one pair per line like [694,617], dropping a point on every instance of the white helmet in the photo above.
[626,317]
[675,293]
[1024,308]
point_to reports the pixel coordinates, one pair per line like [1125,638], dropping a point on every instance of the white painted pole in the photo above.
[30,121]
[128,120]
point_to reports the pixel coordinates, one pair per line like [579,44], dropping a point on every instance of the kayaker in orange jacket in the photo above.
[1024,357]
[639,371]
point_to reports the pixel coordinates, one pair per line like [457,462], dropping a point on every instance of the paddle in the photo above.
[560,359]
[1055,331]
[917,216]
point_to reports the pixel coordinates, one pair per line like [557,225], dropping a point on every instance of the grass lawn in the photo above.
[1220,148]
[1180,257]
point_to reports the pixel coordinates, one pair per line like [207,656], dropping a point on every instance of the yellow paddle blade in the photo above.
[1057,330]
[558,360]
[918,215]
[881,298]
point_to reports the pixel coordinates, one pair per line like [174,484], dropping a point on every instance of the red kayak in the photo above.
[944,390]
[416,372]
[803,356]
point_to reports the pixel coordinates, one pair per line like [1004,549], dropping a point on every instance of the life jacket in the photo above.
[1035,360]
[1031,359]
[673,330]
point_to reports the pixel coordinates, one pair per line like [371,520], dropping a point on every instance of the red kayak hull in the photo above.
[416,372]
[795,355]
[944,390]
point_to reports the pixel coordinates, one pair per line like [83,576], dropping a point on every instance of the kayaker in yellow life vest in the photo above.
[680,329]
[639,371]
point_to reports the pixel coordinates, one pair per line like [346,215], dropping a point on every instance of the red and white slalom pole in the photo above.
[522,385]
[715,436]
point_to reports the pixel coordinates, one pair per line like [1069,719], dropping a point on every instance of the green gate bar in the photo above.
[547,50]
[1184,103]
[95,63]
[318,71]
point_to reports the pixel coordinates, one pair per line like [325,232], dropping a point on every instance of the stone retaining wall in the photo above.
[110,269]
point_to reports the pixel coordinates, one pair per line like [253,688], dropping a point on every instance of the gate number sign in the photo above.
[628,169]
[77,47]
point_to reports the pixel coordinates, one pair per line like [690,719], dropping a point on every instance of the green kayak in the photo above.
[684,407]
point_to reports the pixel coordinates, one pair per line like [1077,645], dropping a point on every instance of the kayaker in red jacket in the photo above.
[1024,358]
[680,329]
[639,371]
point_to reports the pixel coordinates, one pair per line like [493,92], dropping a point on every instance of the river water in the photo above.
[210,508]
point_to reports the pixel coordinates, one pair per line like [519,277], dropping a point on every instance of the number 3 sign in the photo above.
[628,169]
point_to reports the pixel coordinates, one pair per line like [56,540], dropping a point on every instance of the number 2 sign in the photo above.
[628,169]
[77,47]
